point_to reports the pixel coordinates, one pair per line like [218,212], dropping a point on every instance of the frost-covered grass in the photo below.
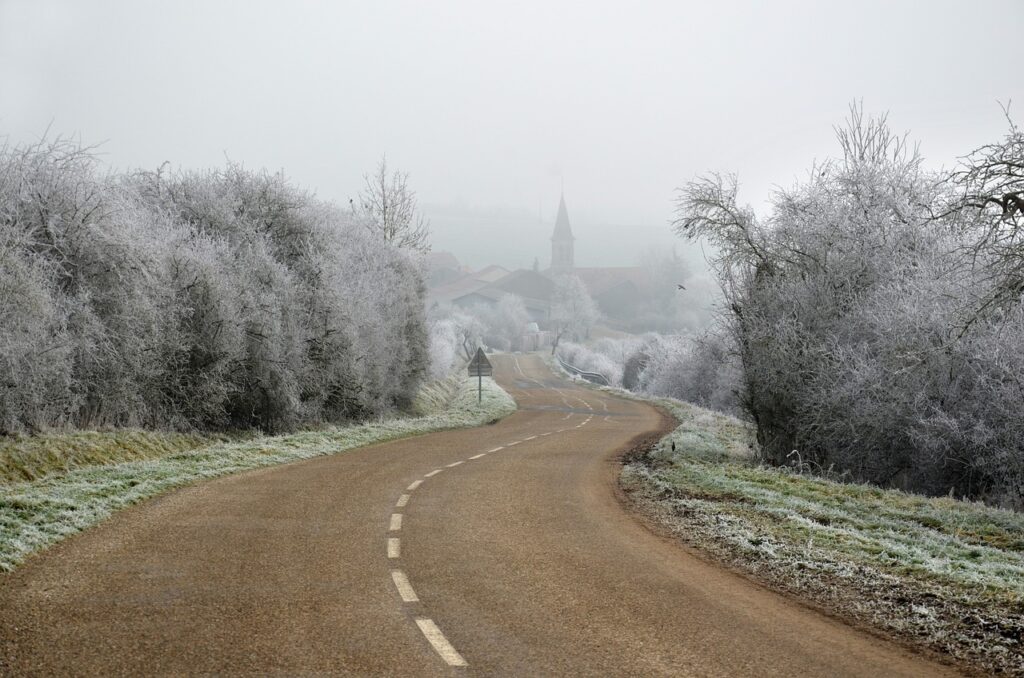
[25,457]
[71,497]
[937,572]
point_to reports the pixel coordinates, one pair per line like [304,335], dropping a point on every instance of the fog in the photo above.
[493,109]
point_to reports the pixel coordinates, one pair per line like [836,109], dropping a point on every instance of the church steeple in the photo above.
[562,241]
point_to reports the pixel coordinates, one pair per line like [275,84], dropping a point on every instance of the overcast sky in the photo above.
[490,107]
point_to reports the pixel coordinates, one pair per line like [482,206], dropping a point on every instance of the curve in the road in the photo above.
[501,550]
[404,588]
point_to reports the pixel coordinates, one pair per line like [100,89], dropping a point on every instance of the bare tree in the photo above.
[389,207]
[990,206]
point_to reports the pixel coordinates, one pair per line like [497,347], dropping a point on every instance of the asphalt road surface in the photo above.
[501,550]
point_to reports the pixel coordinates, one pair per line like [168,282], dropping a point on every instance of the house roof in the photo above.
[491,273]
[467,284]
[526,283]
[449,292]
[600,280]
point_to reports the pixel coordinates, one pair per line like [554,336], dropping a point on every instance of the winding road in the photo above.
[501,550]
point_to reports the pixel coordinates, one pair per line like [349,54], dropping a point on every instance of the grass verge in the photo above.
[84,486]
[938,573]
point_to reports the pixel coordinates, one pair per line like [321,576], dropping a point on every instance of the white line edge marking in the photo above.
[530,438]
[440,643]
[394,547]
[433,473]
[515,443]
[402,501]
[497,448]
[404,587]
[477,456]
[454,464]
[396,522]
[414,485]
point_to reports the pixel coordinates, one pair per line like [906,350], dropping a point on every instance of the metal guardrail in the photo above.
[592,377]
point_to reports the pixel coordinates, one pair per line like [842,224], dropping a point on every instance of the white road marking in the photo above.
[429,629]
[404,587]
[516,362]
[440,643]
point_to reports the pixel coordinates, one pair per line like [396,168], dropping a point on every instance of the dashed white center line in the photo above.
[440,643]
[429,629]
[404,587]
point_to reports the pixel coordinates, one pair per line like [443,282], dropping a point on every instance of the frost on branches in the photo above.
[219,299]
[876,312]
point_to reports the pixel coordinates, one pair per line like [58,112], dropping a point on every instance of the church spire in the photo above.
[562,241]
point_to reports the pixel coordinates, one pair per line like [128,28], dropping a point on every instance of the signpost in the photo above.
[480,367]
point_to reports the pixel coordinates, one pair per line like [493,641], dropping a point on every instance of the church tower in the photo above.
[561,242]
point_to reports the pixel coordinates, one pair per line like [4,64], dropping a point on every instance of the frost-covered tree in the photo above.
[573,312]
[987,203]
[504,322]
[226,298]
[676,299]
[455,335]
[388,207]
[846,308]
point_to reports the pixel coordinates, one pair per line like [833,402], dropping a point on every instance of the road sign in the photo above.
[480,366]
